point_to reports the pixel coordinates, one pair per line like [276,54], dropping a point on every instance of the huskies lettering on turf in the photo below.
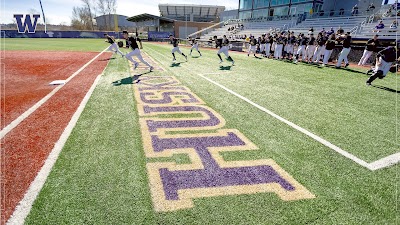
[26,25]
[202,138]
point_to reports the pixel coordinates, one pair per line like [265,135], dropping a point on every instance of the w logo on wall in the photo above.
[27,24]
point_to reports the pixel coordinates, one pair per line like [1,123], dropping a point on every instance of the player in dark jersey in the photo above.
[135,50]
[224,48]
[270,41]
[371,47]
[329,46]
[346,41]
[174,42]
[113,47]
[321,40]
[253,46]
[310,48]
[195,45]
[289,46]
[279,46]
[263,43]
[384,60]
[301,48]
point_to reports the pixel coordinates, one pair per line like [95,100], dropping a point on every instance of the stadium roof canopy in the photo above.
[146,16]
[200,13]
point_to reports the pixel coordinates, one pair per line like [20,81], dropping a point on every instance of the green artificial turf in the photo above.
[100,176]
[55,44]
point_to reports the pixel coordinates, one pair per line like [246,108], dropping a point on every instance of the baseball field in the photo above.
[193,142]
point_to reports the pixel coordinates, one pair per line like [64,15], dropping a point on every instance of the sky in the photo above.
[60,11]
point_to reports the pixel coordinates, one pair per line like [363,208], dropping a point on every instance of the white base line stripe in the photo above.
[24,207]
[378,164]
[385,162]
[31,110]
[388,161]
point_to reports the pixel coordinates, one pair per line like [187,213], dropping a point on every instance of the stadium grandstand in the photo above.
[193,13]
[255,18]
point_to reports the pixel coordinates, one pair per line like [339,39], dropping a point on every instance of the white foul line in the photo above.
[24,207]
[379,164]
[31,110]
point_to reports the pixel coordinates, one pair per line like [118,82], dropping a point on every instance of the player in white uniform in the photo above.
[253,46]
[195,45]
[174,42]
[223,44]
[113,47]
[132,41]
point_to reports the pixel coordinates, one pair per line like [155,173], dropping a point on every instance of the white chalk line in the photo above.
[31,110]
[25,205]
[378,164]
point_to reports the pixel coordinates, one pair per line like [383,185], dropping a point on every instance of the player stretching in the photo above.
[113,47]
[174,42]
[384,60]
[136,51]
[223,44]
[195,45]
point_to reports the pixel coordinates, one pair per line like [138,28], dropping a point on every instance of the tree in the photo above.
[111,8]
[107,7]
[89,6]
[81,18]
[101,8]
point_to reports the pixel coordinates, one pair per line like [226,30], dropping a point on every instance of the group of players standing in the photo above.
[282,46]
[286,45]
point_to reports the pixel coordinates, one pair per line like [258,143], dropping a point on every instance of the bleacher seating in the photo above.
[368,30]
[362,26]
[346,23]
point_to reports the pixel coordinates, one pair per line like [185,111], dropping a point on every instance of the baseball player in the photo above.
[223,44]
[329,46]
[371,46]
[289,47]
[346,40]
[310,48]
[135,50]
[263,43]
[174,42]
[279,46]
[302,48]
[195,45]
[113,47]
[270,41]
[253,46]
[384,61]
[321,41]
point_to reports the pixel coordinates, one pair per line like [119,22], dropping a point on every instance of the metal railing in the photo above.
[207,29]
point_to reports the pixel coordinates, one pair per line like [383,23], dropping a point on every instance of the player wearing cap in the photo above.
[174,42]
[195,45]
[253,46]
[302,47]
[132,40]
[329,46]
[223,44]
[384,61]
[371,47]
[310,48]
[346,40]
[321,40]
[113,47]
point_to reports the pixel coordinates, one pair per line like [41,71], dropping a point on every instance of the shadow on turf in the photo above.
[195,57]
[129,80]
[107,59]
[176,64]
[225,67]
[385,88]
